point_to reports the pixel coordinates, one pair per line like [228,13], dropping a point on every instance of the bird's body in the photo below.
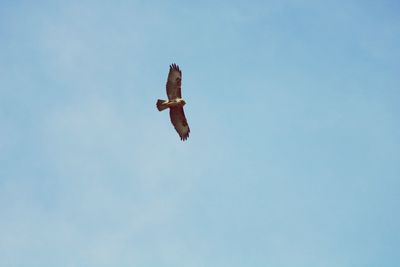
[175,102]
[163,104]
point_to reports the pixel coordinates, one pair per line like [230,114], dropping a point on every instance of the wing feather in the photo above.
[174,82]
[179,121]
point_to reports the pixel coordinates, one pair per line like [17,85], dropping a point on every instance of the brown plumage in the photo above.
[175,102]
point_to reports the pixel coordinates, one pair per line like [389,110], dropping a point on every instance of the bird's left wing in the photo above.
[179,121]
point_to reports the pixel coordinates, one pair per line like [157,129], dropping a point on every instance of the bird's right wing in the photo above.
[174,82]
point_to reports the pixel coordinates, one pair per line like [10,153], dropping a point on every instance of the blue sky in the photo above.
[293,158]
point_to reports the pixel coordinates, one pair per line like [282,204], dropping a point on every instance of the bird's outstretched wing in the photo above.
[174,82]
[179,121]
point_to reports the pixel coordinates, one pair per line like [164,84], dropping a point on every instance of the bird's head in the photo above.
[182,102]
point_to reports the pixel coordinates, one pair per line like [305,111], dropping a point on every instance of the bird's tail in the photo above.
[161,105]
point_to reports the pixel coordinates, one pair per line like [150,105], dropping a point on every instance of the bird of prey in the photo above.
[175,102]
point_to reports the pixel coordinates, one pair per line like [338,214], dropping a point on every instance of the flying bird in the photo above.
[175,102]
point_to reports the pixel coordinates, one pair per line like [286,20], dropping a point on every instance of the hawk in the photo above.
[175,102]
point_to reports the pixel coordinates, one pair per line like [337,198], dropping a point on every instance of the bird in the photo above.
[175,102]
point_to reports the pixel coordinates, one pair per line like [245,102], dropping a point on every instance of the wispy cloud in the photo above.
[291,159]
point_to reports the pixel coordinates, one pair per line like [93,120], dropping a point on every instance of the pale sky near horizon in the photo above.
[293,158]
